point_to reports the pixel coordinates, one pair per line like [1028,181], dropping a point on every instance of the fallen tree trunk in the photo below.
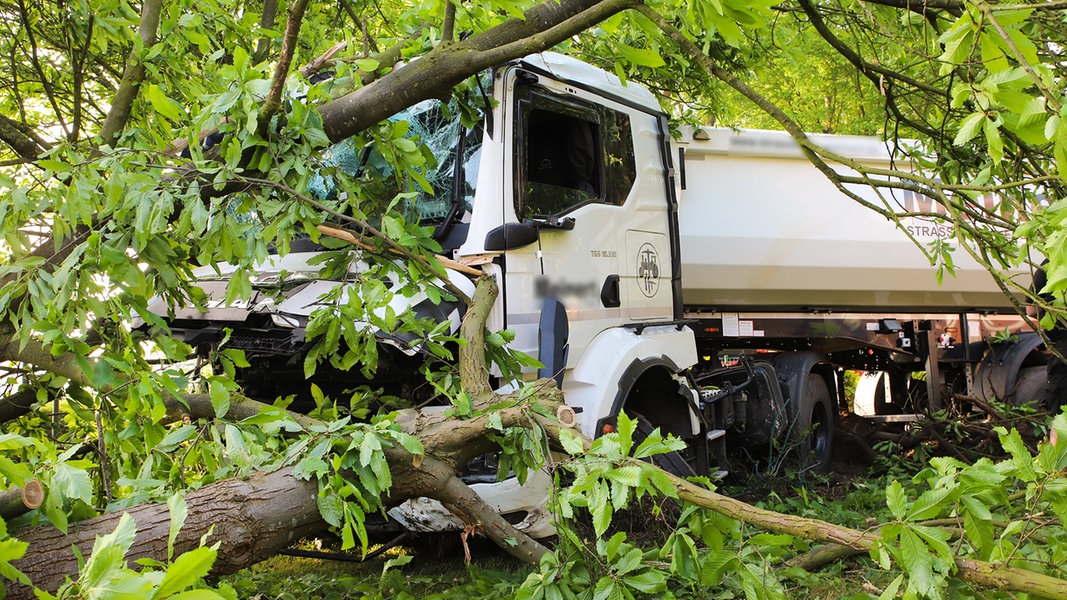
[255,517]
[251,517]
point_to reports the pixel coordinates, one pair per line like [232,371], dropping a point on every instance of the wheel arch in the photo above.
[622,360]
[637,392]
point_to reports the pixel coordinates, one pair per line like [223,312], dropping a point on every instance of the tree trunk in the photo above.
[252,517]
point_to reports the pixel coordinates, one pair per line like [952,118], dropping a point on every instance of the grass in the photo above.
[430,571]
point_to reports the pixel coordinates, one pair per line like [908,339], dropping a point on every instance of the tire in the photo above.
[671,462]
[1029,387]
[814,427]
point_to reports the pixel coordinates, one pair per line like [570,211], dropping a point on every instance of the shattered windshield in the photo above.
[437,125]
[446,137]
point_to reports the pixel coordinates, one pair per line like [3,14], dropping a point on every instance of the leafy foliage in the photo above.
[209,167]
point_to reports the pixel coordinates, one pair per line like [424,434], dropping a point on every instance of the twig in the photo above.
[101,448]
[347,236]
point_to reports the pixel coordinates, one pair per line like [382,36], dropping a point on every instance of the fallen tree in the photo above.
[44,339]
[254,517]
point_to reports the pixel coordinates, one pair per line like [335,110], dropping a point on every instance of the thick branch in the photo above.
[266,21]
[122,103]
[923,7]
[281,71]
[21,500]
[17,404]
[22,139]
[433,75]
[1000,576]
[473,373]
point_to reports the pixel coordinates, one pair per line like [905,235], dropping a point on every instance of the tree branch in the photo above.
[122,103]
[266,21]
[22,139]
[281,72]
[544,26]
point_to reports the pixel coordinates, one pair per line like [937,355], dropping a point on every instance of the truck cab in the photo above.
[575,206]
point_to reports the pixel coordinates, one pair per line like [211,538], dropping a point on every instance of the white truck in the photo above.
[714,284]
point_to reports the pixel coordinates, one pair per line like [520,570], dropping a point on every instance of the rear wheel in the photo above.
[1029,387]
[814,431]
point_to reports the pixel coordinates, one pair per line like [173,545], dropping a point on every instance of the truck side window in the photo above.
[620,168]
[571,153]
[562,163]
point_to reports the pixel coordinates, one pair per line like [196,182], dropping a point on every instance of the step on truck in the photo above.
[712,284]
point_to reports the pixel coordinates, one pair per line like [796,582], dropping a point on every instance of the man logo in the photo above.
[648,270]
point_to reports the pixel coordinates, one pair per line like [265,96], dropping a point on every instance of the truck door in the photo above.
[573,171]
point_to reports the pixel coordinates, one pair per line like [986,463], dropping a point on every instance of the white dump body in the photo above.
[762,229]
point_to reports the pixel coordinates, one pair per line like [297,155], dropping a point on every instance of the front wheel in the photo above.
[671,462]
[814,430]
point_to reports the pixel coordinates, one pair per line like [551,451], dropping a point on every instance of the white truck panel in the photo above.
[594,383]
[761,228]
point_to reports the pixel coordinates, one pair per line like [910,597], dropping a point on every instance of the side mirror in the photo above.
[516,235]
[511,235]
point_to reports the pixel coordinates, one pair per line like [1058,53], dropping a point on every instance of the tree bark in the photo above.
[252,517]
[122,103]
[433,75]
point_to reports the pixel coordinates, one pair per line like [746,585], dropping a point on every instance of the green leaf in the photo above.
[108,556]
[644,57]
[188,569]
[178,513]
[571,442]
[164,106]
[917,561]
[625,427]
[220,398]
[994,141]
[628,562]
[647,581]
[72,482]
[969,128]
[928,504]
[175,437]
[896,500]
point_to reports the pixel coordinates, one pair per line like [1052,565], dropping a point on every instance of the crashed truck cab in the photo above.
[563,193]
[270,327]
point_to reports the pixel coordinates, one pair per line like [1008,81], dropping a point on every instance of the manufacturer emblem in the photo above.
[648,270]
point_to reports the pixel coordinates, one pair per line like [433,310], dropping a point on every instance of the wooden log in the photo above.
[252,517]
[19,501]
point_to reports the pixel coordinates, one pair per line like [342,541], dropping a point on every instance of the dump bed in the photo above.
[763,229]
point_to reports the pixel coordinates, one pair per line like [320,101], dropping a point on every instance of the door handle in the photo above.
[609,293]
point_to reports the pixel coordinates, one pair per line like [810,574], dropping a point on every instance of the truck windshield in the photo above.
[456,150]
[451,172]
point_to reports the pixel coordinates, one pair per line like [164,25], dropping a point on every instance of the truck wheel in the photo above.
[671,462]
[1029,387]
[815,425]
